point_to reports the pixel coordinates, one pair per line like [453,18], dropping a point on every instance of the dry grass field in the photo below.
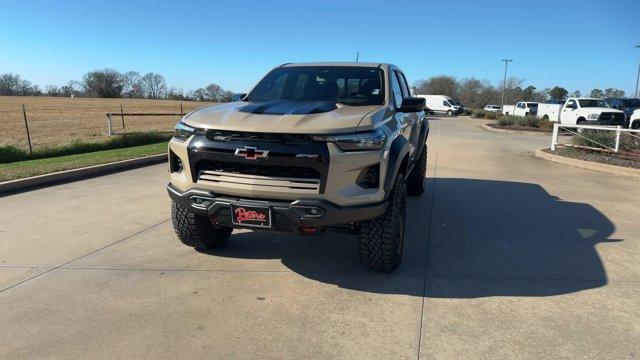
[54,120]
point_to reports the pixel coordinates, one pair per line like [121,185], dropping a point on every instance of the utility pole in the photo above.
[638,76]
[504,82]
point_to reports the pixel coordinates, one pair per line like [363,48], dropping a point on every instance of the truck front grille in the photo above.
[274,171]
[610,118]
[264,177]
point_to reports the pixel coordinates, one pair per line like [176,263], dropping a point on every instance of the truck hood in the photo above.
[283,117]
[595,110]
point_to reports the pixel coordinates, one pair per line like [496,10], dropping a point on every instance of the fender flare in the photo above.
[397,151]
[424,134]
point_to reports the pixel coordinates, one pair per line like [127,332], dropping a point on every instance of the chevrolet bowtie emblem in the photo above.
[251,153]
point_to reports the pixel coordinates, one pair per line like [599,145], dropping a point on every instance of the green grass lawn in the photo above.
[23,169]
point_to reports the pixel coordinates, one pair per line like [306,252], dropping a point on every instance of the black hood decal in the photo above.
[288,107]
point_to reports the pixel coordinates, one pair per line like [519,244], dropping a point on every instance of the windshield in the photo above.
[631,103]
[592,103]
[340,84]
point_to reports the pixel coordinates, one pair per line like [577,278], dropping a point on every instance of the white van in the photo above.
[441,104]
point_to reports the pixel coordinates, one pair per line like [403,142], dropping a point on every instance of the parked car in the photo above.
[582,111]
[311,147]
[624,104]
[493,108]
[523,108]
[442,104]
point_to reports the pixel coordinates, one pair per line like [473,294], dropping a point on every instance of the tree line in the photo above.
[475,93]
[110,83]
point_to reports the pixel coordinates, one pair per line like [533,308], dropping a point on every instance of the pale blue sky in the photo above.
[575,44]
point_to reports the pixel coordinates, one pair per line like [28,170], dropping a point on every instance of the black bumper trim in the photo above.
[287,215]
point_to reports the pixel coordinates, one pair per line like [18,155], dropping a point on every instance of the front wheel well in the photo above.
[581,120]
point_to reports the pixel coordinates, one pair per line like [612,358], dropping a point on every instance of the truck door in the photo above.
[569,114]
[520,109]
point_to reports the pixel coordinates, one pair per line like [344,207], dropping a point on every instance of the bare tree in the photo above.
[9,84]
[107,83]
[213,92]
[52,90]
[437,85]
[133,87]
[613,92]
[154,85]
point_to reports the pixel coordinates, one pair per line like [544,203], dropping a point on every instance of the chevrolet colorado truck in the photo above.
[311,147]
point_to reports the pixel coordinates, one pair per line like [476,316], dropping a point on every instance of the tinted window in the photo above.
[404,85]
[631,102]
[397,92]
[591,103]
[346,85]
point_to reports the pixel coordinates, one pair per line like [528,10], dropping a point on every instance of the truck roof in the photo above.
[346,63]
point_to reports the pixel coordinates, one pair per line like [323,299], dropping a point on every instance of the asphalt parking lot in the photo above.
[507,256]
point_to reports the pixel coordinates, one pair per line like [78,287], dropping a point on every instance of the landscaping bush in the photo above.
[479,113]
[507,120]
[490,115]
[545,124]
[593,138]
[12,153]
[528,121]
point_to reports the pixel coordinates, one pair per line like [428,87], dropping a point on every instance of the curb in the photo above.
[506,131]
[589,165]
[78,174]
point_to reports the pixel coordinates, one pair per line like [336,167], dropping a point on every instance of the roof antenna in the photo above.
[357,56]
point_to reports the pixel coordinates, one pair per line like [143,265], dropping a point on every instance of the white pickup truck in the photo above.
[635,120]
[583,111]
[523,108]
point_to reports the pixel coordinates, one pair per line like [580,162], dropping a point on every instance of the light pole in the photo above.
[637,77]
[504,82]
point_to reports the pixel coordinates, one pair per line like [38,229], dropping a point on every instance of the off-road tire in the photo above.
[195,230]
[382,238]
[416,179]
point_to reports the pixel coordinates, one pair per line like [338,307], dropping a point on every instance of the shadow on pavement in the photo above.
[488,238]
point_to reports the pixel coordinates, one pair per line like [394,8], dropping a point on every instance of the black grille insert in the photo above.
[608,118]
[226,135]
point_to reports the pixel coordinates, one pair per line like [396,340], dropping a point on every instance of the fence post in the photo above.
[109,124]
[554,137]
[26,125]
[122,115]
[181,112]
[618,132]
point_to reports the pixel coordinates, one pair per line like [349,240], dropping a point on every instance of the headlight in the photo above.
[183,131]
[356,142]
[593,116]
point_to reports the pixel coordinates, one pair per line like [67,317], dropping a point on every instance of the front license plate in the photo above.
[255,216]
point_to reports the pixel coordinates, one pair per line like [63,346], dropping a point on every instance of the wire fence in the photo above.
[47,122]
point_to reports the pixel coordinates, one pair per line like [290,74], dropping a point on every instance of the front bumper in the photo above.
[286,215]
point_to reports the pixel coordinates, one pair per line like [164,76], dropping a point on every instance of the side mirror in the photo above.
[238,97]
[413,104]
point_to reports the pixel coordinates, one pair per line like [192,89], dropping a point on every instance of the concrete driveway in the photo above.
[508,256]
